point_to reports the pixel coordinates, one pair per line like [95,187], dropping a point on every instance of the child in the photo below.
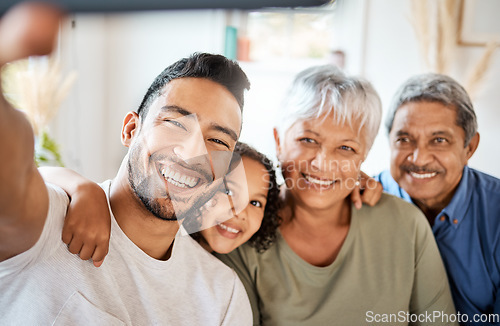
[257,223]
[87,233]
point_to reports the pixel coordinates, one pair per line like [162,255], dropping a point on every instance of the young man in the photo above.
[433,133]
[190,114]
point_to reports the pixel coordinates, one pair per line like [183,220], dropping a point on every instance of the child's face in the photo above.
[230,234]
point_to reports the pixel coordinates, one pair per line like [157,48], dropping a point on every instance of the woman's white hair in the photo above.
[321,90]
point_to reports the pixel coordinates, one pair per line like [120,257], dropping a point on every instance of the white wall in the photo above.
[80,127]
[117,57]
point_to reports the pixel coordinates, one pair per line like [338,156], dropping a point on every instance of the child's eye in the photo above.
[256,203]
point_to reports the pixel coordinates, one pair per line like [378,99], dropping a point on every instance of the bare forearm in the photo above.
[16,151]
[69,180]
[23,196]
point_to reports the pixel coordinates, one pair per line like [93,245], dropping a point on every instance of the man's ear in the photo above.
[471,148]
[277,143]
[131,125]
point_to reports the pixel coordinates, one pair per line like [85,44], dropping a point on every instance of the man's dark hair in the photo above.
[200,65]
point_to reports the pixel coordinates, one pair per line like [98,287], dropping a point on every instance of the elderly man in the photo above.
[153,276]
[433,133]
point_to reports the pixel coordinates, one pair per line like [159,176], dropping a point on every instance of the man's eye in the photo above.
[403,140]
[307,140]
[220,142]
[256,203]
[440,140]
[175,123]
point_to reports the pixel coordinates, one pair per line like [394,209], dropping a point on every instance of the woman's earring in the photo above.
[278,165]
[357,183]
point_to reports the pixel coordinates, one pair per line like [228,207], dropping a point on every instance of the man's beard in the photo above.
[142,189]
[150,189]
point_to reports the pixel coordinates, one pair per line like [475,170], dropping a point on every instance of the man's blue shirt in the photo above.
[467,232]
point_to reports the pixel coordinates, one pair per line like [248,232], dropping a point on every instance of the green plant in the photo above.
[47,151]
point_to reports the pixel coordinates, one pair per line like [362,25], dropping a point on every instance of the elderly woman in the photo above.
[331,263]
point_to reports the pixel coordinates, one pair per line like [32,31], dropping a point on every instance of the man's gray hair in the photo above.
[438,88]
[321,90]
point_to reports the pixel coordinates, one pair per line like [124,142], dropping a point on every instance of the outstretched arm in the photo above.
[87,225]
[28,29]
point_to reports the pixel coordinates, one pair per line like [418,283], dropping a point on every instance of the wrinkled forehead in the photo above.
[427,118]
[427,112]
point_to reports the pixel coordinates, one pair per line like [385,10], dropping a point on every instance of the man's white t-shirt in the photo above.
[47,285]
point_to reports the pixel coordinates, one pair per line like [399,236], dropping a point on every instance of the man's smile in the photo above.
[422,175]
[178,178]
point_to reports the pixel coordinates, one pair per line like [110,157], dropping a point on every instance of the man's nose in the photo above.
[420,156]
[192,146]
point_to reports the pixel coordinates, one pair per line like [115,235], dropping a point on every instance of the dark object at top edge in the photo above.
[110,6]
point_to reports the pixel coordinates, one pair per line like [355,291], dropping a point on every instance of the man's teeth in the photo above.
[422,175]
[319,182]
[178,179]
[228,228]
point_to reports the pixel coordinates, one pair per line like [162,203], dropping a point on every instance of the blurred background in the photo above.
[107,62]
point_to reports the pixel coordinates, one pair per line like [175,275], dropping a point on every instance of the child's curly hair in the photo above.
[266,235]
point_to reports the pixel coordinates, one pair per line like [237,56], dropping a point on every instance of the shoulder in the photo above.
[57,197]
[105,185]
[484,202]
[485,195]
[382,175]
[58,205]
[207,262]
[391,186]
[245,252]
[246,259]
[392,208]
[395,216]
[386,179]
[50,237]
[484,181]
[207,272]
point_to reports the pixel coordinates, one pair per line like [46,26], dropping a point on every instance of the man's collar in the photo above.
[456,209]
